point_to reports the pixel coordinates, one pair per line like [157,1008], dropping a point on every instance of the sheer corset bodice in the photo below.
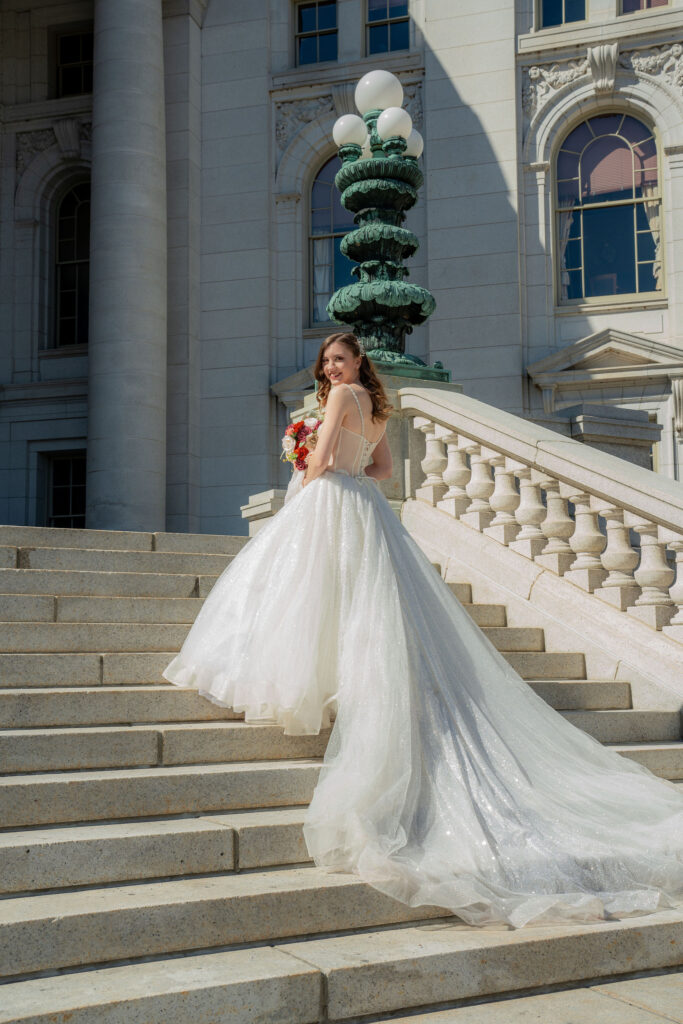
[353,451]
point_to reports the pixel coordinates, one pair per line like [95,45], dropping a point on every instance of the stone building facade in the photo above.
[167,231]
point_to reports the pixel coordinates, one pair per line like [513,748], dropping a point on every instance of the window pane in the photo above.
[377,10]
[398,8]
[551,13]
[342,267]
[647,281]
[342,220]
[634,131]
[327,14]
[578,139]
[607,170]
[67,249]
[646,246]
[606,124]
[573,254]
[321,222]
[327,46]
[69,49]
[82,303]
[378,39]
[67,276]
[61,506]
[61,472]
[306,22]
[399,35]
[71,81]
[308,50]
[574,10]
[573,285]
[609,251]
[67,304]
[567,165]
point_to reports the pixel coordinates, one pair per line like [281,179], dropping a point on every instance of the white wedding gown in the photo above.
[446,781]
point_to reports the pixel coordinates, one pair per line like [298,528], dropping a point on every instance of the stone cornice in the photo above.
[647,28]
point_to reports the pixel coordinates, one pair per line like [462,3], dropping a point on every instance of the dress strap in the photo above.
[360,411]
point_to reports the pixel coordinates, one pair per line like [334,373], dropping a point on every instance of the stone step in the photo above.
[68,929]
[147,746]
[8,558]
[387,972]
[547,664]
[64,637]
[61,857]
[463,591]
[33,608]
[106,705]
[104,584]
[119,540]
[631,726]
[583,694]
[94,559]
[110,669]
[52,798]
[487,614]
[663,759]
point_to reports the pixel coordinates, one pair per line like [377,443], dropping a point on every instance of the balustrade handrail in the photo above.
[646,494]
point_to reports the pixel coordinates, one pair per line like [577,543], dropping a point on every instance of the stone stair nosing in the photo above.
[119,540]
[97,583]
[343,977]
[105,560]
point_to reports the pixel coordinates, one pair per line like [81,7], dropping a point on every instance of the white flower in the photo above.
[288,443]
[311,421]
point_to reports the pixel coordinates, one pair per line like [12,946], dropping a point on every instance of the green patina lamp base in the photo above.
[401,364]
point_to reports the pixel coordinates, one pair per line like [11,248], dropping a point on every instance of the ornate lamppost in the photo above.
[379,181]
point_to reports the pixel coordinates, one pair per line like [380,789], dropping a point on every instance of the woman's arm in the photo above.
[335,411]
[381,466]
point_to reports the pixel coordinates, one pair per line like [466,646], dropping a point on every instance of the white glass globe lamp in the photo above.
[378,90]
[394,122]
[415,144]
[349,130]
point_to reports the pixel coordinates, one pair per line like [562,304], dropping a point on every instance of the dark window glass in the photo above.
[388,26]
[629,6]
[66,490]
[72,277]
[608,210]
[329,268]
[74,60]
[560,12]
[316,35]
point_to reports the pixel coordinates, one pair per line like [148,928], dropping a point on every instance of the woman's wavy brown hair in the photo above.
[381,408]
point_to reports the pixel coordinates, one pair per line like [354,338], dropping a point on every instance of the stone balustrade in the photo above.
[612,528]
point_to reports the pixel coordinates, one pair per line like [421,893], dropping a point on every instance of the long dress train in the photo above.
[446,781]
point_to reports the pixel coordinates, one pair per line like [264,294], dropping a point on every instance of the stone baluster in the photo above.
[504,502]
[557,528]
[432,488]
[619,558]
[530,512]
[654,576]
[456,474]
[480,488]
[675,627]
[587,542]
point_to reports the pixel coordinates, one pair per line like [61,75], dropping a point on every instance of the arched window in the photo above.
[72,266]
[608,210]
[329,223]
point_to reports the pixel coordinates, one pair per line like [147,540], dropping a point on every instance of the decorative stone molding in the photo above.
[287,197]
[29,144]
[292,115]
[343,97]
[542,81]
[677,393]
[602,61]
[412,101]
[67,133]
[657,61]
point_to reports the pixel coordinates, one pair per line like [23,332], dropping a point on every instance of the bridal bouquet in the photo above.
[300,440]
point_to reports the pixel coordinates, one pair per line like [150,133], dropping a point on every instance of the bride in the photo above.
[446,781]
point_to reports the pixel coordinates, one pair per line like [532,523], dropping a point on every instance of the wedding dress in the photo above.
[446,781]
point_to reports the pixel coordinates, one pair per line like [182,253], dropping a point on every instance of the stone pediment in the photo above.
[609,366]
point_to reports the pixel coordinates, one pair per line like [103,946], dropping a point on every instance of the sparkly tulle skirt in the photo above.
[447,781]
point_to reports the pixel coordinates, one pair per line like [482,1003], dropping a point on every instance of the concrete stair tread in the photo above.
[533,665]
[78,927]
[664,759]
[98,583]
[118,540]
[73,668]
[583,694]
[97,609]
[62,856]
[73,706]
[117,560]
[43,798]
[378,972]
[624,725]
[163,743]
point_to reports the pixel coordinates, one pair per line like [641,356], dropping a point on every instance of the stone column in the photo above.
[127,350]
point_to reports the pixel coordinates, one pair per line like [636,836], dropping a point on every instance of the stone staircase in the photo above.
[153,867]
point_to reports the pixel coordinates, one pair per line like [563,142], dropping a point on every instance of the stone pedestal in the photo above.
[127,349]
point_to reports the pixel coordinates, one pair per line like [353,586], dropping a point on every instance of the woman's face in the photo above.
[340,365]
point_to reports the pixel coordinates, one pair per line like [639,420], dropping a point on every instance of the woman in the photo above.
[446,781]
